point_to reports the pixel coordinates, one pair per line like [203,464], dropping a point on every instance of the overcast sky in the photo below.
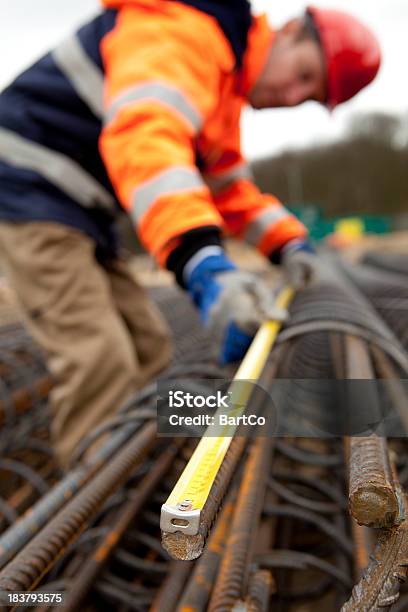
[30,27]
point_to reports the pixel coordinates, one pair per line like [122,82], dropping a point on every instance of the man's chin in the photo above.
[262,103]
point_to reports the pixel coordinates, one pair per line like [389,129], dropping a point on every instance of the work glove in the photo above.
[232,303]
[301,264]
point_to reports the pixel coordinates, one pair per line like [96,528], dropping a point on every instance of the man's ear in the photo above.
[292,27]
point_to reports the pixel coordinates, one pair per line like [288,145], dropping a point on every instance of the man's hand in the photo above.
[301,264]
[233,304]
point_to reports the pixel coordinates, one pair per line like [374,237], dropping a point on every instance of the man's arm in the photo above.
[259,219]
[159,92]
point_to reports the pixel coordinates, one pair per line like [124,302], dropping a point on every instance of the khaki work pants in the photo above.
[102,336]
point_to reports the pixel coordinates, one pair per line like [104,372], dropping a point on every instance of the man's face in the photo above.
[294,71]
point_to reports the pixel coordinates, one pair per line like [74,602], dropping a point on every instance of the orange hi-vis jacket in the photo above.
[171,135]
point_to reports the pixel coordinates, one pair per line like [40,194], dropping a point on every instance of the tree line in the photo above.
[364,172]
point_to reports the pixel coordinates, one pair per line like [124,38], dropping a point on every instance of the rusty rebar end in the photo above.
[183,547]
[374,506]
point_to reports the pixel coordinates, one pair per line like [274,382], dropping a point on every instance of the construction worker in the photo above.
[140,109]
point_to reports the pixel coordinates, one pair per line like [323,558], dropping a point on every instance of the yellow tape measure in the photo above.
[181,512]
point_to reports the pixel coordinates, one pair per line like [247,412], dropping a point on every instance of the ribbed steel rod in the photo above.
[25,571]
[198,590]
[92,567]
[13,540]
[372,496]
[232,579]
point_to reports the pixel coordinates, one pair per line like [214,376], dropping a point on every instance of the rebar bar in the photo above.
[25,571]
[232,580]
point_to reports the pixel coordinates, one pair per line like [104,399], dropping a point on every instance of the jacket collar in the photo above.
[260,39]
[234,18]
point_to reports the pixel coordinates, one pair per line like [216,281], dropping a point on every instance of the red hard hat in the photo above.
[352,53]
